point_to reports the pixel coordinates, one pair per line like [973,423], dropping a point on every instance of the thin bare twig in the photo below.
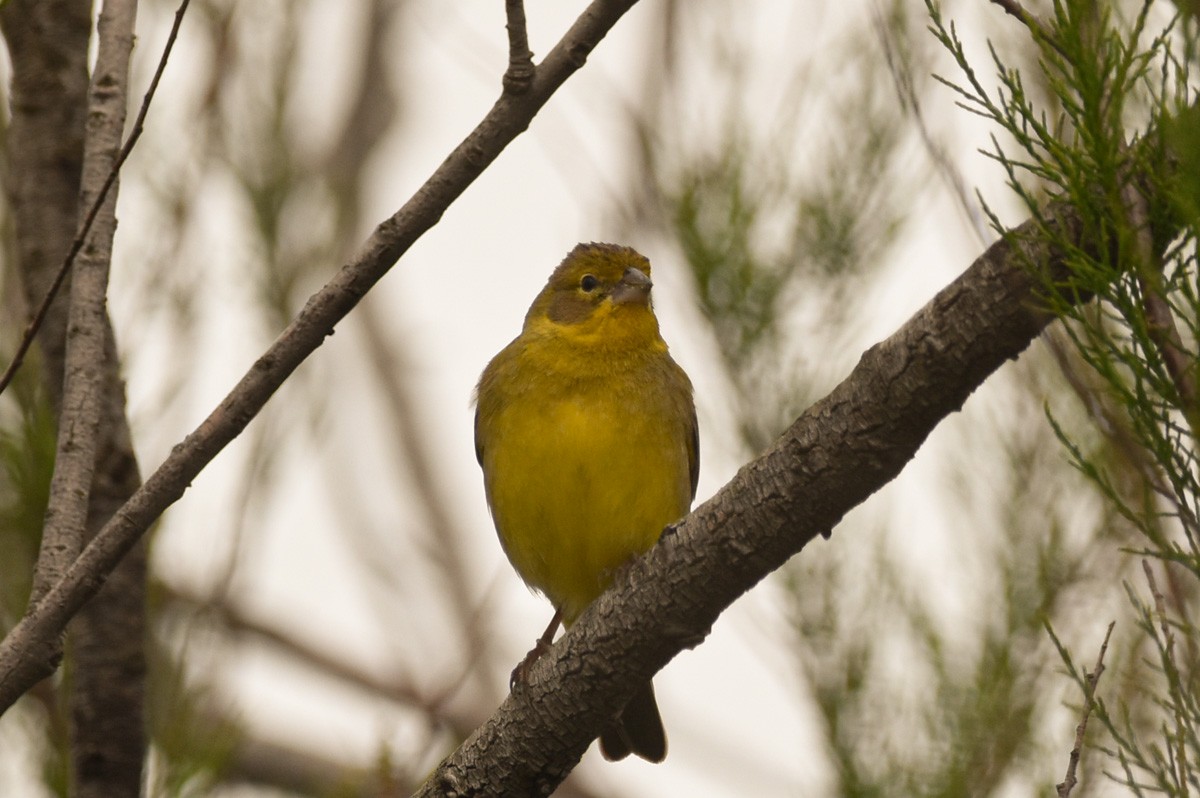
[1089,701]
[1160,324]
[906,93]
[77,244]
[1115,427]
[1172,673]
[1015,9]
[520,70]
[1160,321]
[241,624]
[1036,26]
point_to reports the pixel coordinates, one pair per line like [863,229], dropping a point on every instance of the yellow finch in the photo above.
[586,432]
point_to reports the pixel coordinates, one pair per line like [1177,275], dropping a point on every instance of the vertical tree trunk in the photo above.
[107,642]
[48,43]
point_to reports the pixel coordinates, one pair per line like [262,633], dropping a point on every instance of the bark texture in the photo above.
[839,452]
[48,42]
[108,743]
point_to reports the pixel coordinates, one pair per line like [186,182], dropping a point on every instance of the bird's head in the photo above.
[599,294]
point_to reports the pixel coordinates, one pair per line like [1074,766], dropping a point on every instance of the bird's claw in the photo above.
[520,674]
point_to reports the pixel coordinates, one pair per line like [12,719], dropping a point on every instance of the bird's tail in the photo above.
[637,730]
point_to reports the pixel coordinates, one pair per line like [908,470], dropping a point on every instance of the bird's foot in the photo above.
[520,674]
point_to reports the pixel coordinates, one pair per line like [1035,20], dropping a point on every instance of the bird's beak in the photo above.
[634,288]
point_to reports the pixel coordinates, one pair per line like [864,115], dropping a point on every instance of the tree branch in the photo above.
[87,321]
[108,740]
[1064,787]
[1038,28]
[241,625]
[833,457]
[1179,761]
[27,653]
[1160,321]
[47,42]
[520,70]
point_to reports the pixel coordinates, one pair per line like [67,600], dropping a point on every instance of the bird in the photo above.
[586,431]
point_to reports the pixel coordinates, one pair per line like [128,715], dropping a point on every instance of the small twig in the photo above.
[243,625]
[1159,606]
[1115,428]
[519,74]
[77,244]
[1015,9]
[1172,673]
[1089,701]
[1036,26]
[906,93]
[1160,322]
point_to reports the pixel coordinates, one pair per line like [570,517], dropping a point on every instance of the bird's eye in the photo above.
[589,283]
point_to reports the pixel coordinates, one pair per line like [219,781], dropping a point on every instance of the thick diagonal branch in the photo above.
[27,653]
[843,449]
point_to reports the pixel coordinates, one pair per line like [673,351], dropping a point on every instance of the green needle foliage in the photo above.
[1123,147]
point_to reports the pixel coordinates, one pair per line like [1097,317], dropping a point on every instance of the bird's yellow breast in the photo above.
[585,461]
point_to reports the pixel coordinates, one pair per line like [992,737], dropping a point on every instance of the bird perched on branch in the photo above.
[586,431]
